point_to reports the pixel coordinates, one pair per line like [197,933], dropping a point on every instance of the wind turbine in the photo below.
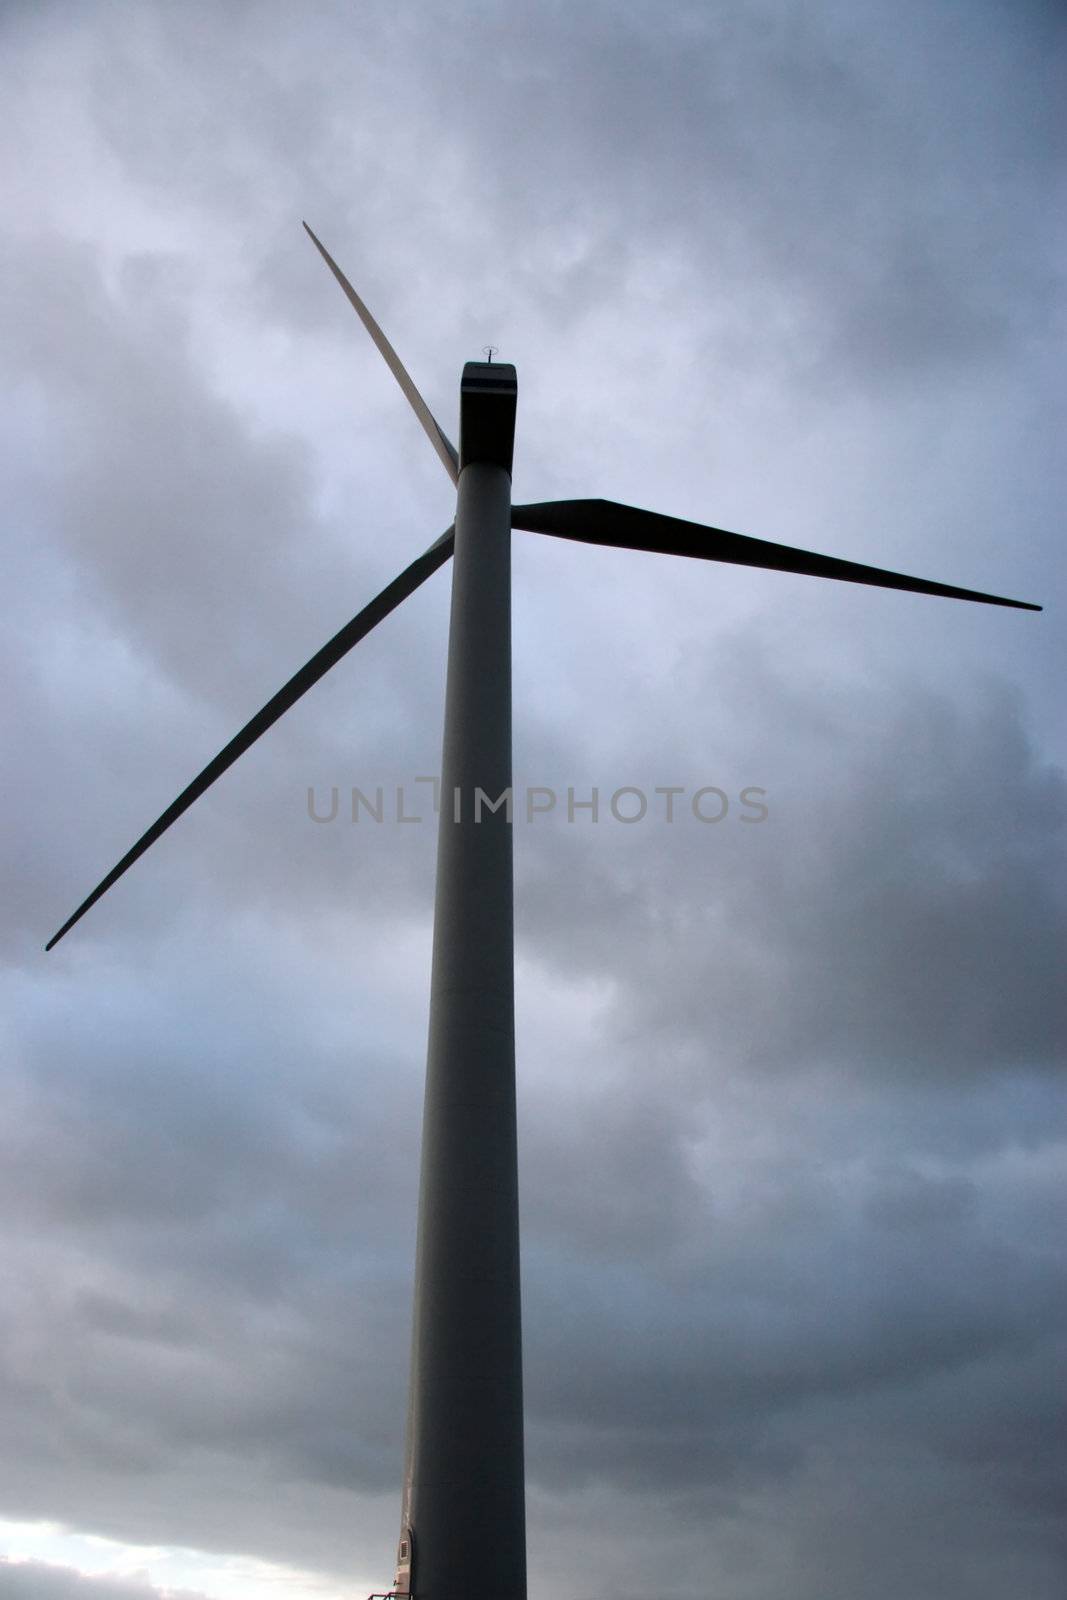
[463,1524]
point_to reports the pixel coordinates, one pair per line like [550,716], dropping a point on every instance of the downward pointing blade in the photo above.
[629,528]
[298,685]
[440,441]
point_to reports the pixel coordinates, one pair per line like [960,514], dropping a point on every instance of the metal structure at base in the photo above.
[404,1576]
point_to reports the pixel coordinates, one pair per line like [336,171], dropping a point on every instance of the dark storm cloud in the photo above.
[183,1261]
[790,1283]
[896,167]
[875,167]
[131,419]
[916,879]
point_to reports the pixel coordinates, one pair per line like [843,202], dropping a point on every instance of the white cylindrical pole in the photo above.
[464,1499]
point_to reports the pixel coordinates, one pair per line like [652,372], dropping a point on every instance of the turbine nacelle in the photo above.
[487,395]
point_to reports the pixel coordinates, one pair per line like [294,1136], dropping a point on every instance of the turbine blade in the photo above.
[299,684]
[629,528]
[436,435]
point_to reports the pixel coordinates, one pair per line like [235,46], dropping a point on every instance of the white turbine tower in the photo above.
[463,1522]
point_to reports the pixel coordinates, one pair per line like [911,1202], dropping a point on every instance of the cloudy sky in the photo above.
[792,1120]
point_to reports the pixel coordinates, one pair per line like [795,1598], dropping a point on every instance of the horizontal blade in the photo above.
[628,528]
[299,684]
[437,437]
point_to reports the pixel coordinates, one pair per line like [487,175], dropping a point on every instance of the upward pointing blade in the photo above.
[298,685]
[629,528]
[437,437]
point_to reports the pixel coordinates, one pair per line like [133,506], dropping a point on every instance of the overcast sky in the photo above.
[793,1129]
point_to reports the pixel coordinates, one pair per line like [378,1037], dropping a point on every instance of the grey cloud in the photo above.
[930,907]
[132,422]
[839,163]
[839,168]
[39,1580]
[794,1279]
